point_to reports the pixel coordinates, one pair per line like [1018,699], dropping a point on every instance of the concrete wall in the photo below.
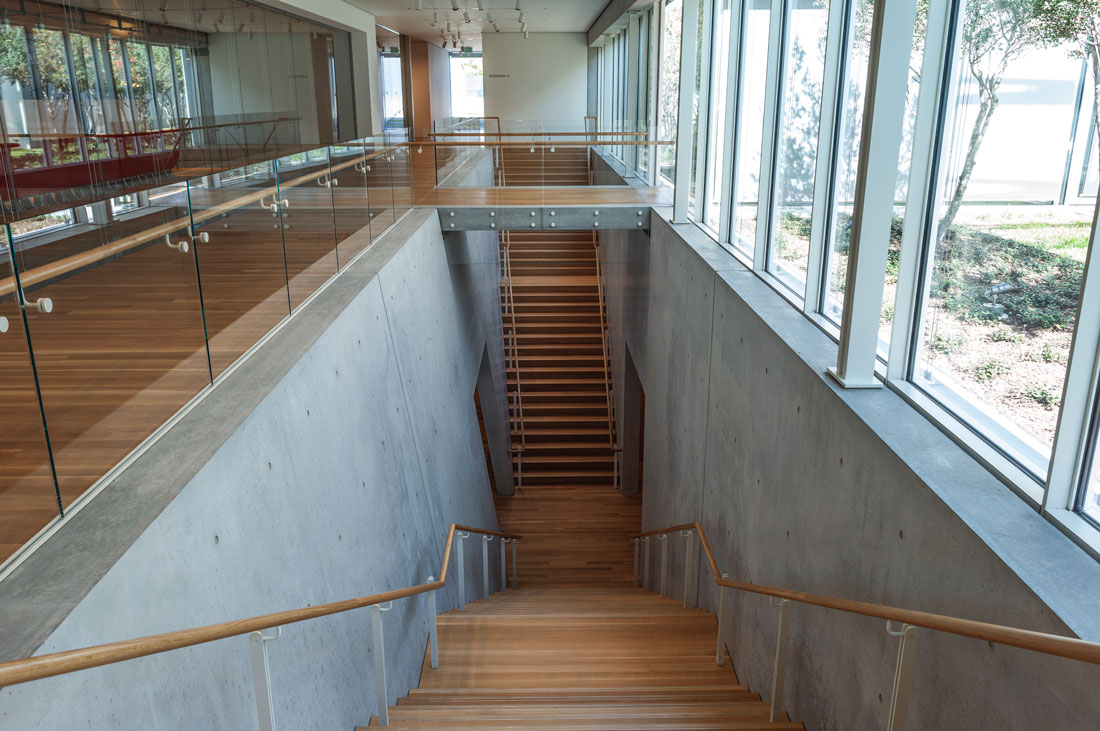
[803,485]
[542,78]
[327,466]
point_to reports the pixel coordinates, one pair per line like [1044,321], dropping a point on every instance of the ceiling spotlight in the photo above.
[523,27]
[519,4]
[525,35]
[489,17]
[419,4]
[521,16]
[466,15]
[448,26]
[480,4]
[454,5]
[435,16]
[496,28]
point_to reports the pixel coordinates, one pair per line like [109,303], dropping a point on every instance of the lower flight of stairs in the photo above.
[582,658]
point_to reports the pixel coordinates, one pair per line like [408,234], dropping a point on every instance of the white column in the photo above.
[880,145]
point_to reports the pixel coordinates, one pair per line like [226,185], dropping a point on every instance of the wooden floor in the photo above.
[124,348]
[581,658]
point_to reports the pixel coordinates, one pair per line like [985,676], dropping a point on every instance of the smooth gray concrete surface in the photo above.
[475,257]
[800,484]
[327,466]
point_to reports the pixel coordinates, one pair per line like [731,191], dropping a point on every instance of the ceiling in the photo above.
[206,16]
[541,16]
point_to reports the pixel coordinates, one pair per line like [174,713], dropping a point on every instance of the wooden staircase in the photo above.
[561,359]
[581,658]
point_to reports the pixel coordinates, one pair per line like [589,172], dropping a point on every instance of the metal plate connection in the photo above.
[543,218]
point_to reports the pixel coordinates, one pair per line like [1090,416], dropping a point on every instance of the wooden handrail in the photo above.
[183,223]
[603,343]
[506,239]
[1042,642]
[61,663]
[534,134]
[534,143]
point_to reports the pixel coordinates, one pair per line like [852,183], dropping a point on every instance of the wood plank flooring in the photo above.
[581,658]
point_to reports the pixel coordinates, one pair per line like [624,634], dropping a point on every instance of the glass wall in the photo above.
[1002,266]
[93,103]
[802,80]
[169,196]
[752,83]
[983,263]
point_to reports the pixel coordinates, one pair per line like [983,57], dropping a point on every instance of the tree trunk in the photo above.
[989,101]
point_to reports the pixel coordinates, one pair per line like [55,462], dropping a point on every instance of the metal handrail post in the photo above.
[504,564]
[485,540]
[645,564]
[689,564]
[433,629]
[380,662]
[637,554]
[261,678]
[664,563]
[461,568]
[778,672]
[903,676]
[515,583]
[720,651]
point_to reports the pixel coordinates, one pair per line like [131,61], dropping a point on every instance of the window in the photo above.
[753,70]
[803,70]
[1003,266]
[716,125]
[668,99]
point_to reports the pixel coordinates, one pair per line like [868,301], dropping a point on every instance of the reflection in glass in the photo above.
[123,348]
[716,128]
[28,496]
[308,224]
[753,71]
[668,100]
[846,162]
[1003,280]
[796,154]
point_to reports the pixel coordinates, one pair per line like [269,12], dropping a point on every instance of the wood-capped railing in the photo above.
[86,258]
[612,445]
[513,352]
[68,661]
[1042,642]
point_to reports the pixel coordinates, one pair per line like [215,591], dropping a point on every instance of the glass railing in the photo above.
[113,321]
[538,153]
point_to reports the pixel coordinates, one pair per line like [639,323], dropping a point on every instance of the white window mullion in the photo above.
[1071,439]
[832,120]
[689,38]
[876,180]
[773,93]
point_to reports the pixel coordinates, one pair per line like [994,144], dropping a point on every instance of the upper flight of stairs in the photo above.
[561,359]
[563,166]
[580,658]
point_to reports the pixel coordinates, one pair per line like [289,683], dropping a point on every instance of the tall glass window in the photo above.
[716,126]
[668,98]
[803,70]
[753,82]
[1003,267]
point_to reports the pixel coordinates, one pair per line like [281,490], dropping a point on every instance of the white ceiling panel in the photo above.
[541,16]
